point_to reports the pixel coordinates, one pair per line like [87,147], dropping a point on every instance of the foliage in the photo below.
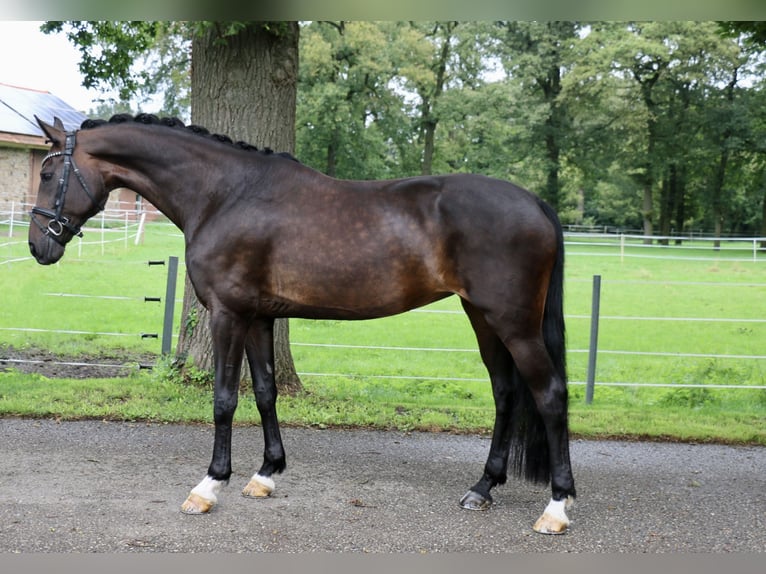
[657,125]
[138,59]
[178,372]
[108,50]
[142,58]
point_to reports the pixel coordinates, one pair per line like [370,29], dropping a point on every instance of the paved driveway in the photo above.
[117,487]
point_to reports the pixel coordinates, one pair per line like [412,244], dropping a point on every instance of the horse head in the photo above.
[71,191]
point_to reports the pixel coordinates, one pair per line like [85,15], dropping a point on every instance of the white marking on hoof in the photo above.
[203,497]
[259,487]
[554,519]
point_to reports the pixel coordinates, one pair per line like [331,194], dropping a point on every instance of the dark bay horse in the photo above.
[267,237]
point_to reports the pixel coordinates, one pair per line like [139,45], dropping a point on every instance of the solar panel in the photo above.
[20,105]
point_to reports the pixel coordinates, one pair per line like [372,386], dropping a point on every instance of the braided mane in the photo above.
[178,124]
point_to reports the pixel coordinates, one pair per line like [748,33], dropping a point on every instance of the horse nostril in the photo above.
[32,250]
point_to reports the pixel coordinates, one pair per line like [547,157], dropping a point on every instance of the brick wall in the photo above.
[19,179]
[14,176]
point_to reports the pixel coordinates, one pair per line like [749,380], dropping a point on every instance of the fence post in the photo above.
[103,231]
[141,222]
[593,349]
[170,301]
[622,247]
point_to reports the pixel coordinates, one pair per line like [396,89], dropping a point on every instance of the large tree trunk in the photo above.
[243,86]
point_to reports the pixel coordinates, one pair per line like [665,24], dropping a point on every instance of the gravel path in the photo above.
[117,487]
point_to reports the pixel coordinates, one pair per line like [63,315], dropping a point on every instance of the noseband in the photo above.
[57,221]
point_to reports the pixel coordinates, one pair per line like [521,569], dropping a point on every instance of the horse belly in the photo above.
[355,287]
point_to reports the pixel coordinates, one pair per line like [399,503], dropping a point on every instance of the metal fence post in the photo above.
[170,301]
[593,348]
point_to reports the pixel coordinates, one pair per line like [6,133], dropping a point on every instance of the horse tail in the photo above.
[554,330]
[529,446]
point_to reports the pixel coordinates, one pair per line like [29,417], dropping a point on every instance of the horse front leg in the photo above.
[260,355]
[228,334]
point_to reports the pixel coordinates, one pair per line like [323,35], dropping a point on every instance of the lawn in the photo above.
[691,318]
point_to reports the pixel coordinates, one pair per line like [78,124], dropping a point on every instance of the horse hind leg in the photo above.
[549,393]
[530,421]
[499,364]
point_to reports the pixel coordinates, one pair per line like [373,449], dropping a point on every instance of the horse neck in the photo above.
[166,166]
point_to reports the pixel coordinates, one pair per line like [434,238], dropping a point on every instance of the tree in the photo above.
[349,115]
[243,84]
[431,59]
[430,91]
[619,124]
[680,80]
[537,54]
[139,59]
[753,36]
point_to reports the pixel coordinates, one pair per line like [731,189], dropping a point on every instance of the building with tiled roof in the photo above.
[23,147]
[22,142]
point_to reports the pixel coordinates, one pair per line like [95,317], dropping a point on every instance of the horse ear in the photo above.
[54,132]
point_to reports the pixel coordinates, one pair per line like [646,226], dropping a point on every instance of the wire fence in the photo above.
[625,247]
[122,226]
[600,352]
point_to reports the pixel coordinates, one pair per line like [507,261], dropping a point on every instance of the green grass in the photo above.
[415,389]
[31,294]
[670,414]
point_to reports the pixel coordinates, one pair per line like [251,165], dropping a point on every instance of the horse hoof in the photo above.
[475,501]
[548,525]
[258,487]
[554,519]
[195,504]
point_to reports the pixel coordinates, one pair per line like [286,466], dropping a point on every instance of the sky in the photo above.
[46,62]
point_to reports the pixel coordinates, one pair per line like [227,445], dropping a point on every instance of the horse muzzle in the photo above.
[45,250]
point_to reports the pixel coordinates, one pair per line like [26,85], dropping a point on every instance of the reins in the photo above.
[57,221]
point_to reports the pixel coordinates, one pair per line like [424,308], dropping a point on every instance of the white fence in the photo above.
[671,247]
[110,226]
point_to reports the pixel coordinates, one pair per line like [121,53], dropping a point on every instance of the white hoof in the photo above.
[259,487]
[554,519]
[203,497]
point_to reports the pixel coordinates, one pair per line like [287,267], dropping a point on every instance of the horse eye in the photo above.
[46,176]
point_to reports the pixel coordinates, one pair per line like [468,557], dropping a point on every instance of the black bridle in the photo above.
[57,221]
